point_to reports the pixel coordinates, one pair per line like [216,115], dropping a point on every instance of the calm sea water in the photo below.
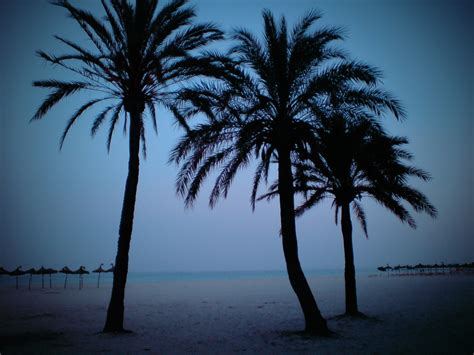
[155,277]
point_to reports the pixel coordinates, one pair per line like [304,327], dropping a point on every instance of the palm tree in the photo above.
[139,55]
[351,159]
[262,110]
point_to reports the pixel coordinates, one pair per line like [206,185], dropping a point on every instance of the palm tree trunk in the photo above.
[314,322]
[349,271]
[114,322]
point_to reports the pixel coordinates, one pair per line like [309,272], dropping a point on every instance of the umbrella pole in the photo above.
[29,284]
[65,282]
[42,280]
[17,282]
[50,286]
[98,280]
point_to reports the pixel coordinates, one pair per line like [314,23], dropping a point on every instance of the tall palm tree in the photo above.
[354,157]
[139,54]
[262,110]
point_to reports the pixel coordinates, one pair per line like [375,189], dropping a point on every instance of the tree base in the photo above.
[318,329]
[358,315]
[309,334]
[326,333]
[116,331]
[355,314]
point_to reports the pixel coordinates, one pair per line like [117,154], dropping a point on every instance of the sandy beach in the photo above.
[406,315]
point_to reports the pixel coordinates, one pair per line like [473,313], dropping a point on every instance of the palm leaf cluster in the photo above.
[270,102]
[139,55]
[354,157]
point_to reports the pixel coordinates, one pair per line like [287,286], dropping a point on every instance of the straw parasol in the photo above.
[50,271]
[41,271]
[65,270]
[17,272]
[99,270]
[81,271]
[31,271]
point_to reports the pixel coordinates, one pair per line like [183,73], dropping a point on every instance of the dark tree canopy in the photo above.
[139,54]
[270,100]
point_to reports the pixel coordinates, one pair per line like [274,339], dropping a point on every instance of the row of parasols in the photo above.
[48,271]
[427,269]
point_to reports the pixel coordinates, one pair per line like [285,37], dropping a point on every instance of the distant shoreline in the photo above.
[151,277]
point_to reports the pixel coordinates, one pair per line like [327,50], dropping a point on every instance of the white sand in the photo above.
[413,315]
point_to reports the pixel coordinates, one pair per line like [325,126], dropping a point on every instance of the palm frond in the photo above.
[100,118]
[360,214]
[75,116]
[62,89]
[152,111]
[143,140]
[226,176]
[96,31]
[260,172]
[316,197]
[375,99]
[301,28]
[113,122]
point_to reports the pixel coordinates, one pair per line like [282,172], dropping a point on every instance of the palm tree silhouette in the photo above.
[351,159]
[140,56]
[262,109]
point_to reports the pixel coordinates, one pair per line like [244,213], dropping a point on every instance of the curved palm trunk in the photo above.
[314,322]
[349,271]
[114,322]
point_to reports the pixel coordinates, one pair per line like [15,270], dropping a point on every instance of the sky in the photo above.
[63,207]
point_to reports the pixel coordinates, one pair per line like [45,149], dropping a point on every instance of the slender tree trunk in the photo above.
[349,271]
[114,322]
[314,322]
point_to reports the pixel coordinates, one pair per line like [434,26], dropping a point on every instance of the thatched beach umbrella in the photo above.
[3,271]
[17,272]
[421,268]
[50,271]
[397,268]
[81,271]
[388,268]
[99,270]
[31,271]
[41,271]
[46,271]
[458,267]
[65,270]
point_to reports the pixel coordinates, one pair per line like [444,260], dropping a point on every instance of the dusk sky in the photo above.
[63,208]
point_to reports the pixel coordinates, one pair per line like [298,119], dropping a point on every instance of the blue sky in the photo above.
[59,208]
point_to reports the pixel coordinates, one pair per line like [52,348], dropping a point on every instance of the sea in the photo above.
[150,277]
